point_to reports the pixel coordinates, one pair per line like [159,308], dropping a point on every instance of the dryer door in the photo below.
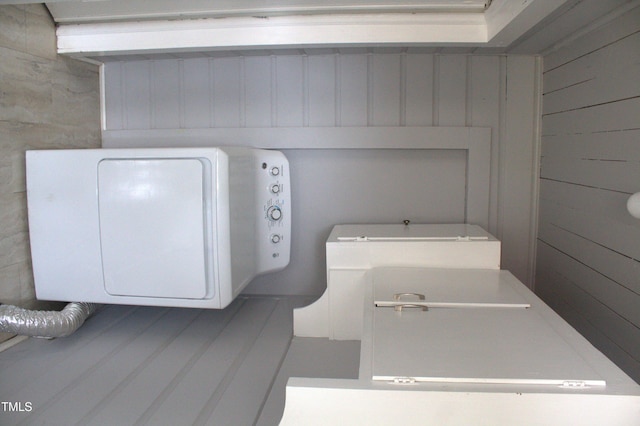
[153,226]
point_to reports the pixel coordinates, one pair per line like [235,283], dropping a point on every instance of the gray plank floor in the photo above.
[133,365]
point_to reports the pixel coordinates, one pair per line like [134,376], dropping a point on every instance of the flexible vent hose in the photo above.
[50,324]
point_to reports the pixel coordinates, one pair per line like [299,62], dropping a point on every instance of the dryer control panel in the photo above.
[274,226]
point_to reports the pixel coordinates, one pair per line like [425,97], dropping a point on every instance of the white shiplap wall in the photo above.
[588,265]
[302,90]
[354,89]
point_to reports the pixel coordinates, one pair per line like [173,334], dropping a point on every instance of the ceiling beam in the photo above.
[507,20]
[497,27]
[303,31]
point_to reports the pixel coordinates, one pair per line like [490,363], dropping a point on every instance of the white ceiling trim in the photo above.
[507,20]
[273,32]
[503,23]
[77,11]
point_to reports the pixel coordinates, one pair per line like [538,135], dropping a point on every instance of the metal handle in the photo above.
[398,296]
[398,308]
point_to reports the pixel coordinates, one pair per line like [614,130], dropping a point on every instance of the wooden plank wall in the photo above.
[588,259]
[356,88]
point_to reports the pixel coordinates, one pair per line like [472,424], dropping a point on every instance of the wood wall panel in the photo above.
[615,175]
[622,270]
[601,325]
[621,145]
[588,259]
[353,89]
[290,100]
[164,97]
[196,93]
[321,91]
[227,92]
[607,292]
[519,160]
[113,114]
[136,94]
[597,78]
[387,90]
[570,17]
[418,99]
[601,230]
[258,92]
[623,23]
[614,116]
[486,98]
[300,90]
[451,89]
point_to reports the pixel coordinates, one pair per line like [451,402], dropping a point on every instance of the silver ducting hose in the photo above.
[49,324]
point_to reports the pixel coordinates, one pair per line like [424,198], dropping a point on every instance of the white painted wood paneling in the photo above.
[519,162]
[571,16]
[589,256]
[294,90]
[597,78]
[321,92]
[195,93]
[386,87]
[279,93]
[486,95]
[419,86]
[227,92]
[619,146]
[620,23]
[290,79]
[353,90]
[612,116]
[258,89]
[451,86]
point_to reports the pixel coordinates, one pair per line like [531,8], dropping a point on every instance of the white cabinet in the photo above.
[477,329]
[352,250]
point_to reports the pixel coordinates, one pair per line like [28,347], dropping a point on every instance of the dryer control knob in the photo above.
[275,238]
[275,188]
[274,213]
[275,171]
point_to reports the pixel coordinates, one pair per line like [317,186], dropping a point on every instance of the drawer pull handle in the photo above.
[398,296]
[398,308]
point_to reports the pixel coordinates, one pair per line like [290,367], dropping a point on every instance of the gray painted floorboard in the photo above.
[132,365]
